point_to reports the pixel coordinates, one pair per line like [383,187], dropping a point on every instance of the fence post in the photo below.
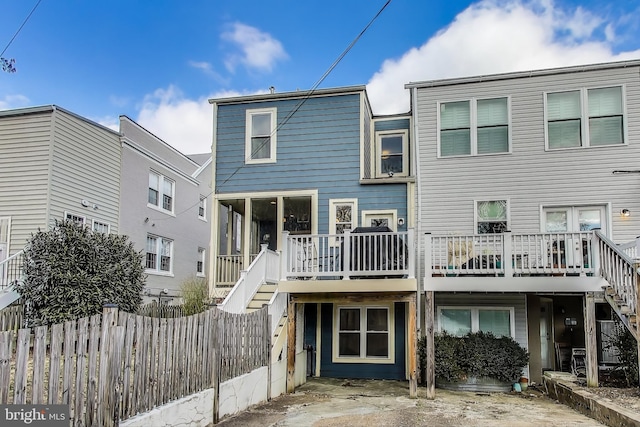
[266,333]
[215,371]
[106,390]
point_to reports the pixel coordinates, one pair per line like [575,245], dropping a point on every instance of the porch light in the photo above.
[625,213]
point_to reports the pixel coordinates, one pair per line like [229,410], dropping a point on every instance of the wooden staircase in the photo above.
[622,309]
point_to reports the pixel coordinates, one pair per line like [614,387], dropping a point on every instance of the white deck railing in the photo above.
[263,269]
[11,270]
[348,255]
[510,254]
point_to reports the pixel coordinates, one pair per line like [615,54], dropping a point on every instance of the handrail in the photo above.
[11,270]
[619,269]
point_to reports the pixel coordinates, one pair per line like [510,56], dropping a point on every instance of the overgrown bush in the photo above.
[71,272]
[195,295]
[626,348]
[477,354]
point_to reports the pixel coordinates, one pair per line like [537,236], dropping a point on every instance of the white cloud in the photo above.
[9,102]
[110,122]
[494,37]
[185,124]
[258,50]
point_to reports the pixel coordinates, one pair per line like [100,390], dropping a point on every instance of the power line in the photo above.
[310,92]
[25,21]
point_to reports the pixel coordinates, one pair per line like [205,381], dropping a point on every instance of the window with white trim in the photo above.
[474,127]
[100,227]
[585,118]
[342,215]
[460,321]
[161,192]
[363,333]
[260,139]
[159,254]
[392,148]
[76,219]
[200,262]
[202,208]
[492,216]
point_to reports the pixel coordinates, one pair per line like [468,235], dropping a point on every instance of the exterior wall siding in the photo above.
[24,174]
[529,177]
[85,166]
[317,148]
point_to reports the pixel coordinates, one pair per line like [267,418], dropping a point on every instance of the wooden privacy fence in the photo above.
[12,318]
[153,309]
[113,366]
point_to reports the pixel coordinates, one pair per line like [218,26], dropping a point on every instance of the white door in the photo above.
[546,334]
[567,249]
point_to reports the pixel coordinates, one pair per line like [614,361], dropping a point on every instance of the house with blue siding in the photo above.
[312,207]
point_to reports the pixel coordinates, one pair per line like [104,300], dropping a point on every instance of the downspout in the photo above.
[416,158]
[213,251]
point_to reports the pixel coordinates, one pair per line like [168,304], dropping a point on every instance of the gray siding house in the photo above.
[164,209]
[527,187]
[54,165]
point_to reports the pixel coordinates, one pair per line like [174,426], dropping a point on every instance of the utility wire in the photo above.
[296,108]
[309,93]
[25,21]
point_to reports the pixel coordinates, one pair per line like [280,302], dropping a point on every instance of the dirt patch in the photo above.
[325,402]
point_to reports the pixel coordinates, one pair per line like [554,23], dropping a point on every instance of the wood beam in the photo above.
[412,333]
[291,346]
[430,368]
[360,298]
[591,343]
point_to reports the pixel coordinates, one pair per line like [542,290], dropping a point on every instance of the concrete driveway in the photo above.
[324,402]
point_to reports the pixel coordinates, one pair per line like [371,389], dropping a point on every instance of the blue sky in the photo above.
[159,61]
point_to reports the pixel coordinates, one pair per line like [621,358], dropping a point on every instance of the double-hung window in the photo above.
[161,192]
[585,118]
[200,262]
[392,156]
[260,139]
[363,333]
[492,216]
[474,127]
[159,254]
[460,321]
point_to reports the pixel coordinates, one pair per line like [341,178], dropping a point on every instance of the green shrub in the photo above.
[477,354]
[195,295]
[626,348]
[71,272]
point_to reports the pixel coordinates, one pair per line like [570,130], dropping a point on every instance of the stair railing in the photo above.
[11,270]
[619,269]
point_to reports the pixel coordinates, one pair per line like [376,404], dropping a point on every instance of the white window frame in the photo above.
[78,219]
[156,270]
[390,359]
[473,126]
[272,136]
[393,213]
[475,318]
[495,199]
[380,135]
[584,118]
[202,206]
[95,223]
[333,203]
[161,180]
[202,257]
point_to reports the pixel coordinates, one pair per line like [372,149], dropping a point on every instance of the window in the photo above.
[100,227]
[200,262]
[474,127]
[585,118]
[492,216]
[343,215]
[159,253]
[363,333]
[381,218]
[77,219]
[392,159]
[202,208]
[260,143]
[161,192]
[460,321]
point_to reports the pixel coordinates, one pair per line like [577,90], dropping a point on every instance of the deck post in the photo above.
[428,267]
[412,348]
[591,344]
[291,346]
[430,368]
[507,254]
[346,255]
[284,255]
[636,276]
[412,254]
